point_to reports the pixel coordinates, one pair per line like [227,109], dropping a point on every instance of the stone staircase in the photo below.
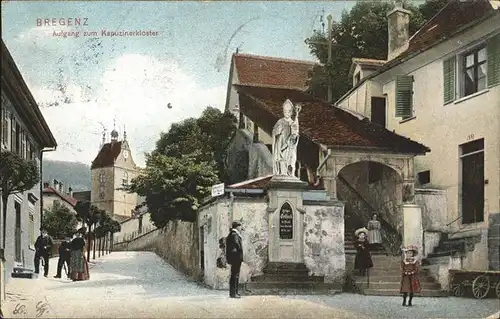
[287,279]
[385,276]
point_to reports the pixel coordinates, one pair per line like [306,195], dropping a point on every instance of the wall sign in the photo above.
[286,221]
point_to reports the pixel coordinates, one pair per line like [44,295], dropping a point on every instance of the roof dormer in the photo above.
[361,68]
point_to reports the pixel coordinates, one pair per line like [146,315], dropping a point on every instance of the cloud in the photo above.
[135,89]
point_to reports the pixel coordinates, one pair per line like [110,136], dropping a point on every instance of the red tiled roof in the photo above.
[455,15]
[107,155]
[254,70]
[328,125]
[70,200]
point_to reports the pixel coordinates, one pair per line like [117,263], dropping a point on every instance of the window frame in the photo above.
[462,69]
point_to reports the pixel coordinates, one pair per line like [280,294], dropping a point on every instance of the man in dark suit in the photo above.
[234,256]
[43,246]
[64,256]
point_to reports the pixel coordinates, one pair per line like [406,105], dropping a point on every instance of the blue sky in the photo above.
[96,79]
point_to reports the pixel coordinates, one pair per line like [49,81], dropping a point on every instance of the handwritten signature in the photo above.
[41,308]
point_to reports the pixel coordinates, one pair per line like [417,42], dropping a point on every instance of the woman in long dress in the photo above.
[363,260]
[374,235]
[79,266]
[410,269]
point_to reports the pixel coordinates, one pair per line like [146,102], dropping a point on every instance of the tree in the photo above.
[361,33]
[208,136]
[174,187]
[90,215]
[59,221]
[17,175]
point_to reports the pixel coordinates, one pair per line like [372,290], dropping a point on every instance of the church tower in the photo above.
[113,168]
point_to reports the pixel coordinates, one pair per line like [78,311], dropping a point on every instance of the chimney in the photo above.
[60,188]
[46,184]
[70,191]
[399,31]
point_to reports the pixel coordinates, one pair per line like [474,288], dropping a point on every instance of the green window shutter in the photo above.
[449,79]
[404,96]
[493,51]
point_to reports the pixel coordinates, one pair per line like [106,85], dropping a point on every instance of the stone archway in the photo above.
[367,187]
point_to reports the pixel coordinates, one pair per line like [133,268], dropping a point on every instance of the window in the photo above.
[102,177]
[125,179]
[29,155]
[404,96]
[17,233]
[13,134]
[23,145]
[31,228]
[472,188]
[424,177]
[357,78]
[478,69]
[375,172]
[474,70]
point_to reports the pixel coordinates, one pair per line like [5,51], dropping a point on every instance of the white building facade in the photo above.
[445,93]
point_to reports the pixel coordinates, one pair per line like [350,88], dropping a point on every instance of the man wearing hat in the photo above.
[43,246]
[64,256]
[234,256]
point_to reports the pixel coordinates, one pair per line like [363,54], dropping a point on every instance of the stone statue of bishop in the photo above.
[285,140]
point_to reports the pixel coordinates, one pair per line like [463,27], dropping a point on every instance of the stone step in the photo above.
[395,285]
[287,291]
[392,272]
[286,266]
[293,277]
[25,275]
[395,292]
[310,285]
[392,278]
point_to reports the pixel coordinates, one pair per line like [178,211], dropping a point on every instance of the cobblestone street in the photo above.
[141,285]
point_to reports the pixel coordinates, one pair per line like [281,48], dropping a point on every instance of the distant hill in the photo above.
[71,174]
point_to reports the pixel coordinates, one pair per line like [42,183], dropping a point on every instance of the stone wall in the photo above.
[434,209]
[323,249]
[216,219]
[130,228]
[177,243]
[494,241]
[324,241]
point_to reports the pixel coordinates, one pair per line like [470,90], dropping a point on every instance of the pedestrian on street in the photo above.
[410,269]
[234,256]
[79,265]
[64,257]
[43,247]
[363,260]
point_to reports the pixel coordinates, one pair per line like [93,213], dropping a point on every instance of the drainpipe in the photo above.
[46,149]
[323,162]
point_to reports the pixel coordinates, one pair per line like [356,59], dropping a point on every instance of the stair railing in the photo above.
[392,240]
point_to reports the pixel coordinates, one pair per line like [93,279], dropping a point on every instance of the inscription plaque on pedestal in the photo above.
[286,222]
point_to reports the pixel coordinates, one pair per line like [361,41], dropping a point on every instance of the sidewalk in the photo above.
[26,298]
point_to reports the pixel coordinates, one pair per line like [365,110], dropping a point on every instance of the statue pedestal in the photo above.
[286,182]
[286,219]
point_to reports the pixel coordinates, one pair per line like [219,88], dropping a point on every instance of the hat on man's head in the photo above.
[43,229]
[235,224]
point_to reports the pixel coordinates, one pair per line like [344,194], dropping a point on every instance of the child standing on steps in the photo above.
[410,268]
